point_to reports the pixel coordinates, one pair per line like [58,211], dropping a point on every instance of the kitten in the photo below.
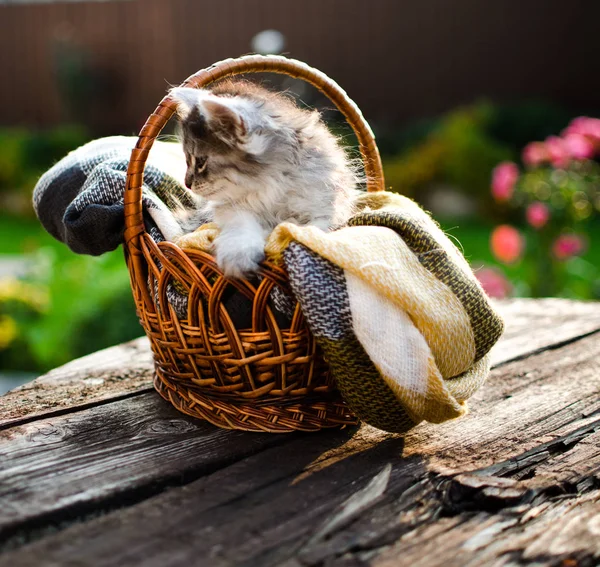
[259,160]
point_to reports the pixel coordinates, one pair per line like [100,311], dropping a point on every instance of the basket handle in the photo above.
[134,224]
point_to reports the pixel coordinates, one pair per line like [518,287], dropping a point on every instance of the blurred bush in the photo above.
[66,307]
[557,199]
[25,156]
[516,124]
[22,305]
[457,152]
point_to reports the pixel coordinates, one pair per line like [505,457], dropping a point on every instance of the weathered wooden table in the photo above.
[96,469]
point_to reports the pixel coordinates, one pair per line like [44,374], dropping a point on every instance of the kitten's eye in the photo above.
[201,164]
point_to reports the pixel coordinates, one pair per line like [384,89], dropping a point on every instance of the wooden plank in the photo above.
[101,457]
[531,325]
[107,374]
[550,517]
[535,324]
[427,499]
[101,366]
[555,532]
[547,394]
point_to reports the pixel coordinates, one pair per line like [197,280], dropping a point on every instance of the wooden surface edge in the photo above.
[106,375]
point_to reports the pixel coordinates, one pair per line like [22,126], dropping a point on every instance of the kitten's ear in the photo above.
[224,120]
[188,109]
[186,99]
[204,113]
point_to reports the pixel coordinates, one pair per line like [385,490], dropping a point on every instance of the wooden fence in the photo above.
[109,63]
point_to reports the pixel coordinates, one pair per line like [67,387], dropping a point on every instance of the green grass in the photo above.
[578,278]
[473,238]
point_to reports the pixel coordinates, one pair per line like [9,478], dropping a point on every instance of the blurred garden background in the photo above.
[486,113]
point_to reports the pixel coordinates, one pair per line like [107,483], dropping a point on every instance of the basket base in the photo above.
[309,415]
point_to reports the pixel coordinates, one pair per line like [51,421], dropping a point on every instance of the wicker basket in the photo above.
[259,378]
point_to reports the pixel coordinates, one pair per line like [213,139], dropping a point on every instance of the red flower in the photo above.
[506,243]
[504,177]
[535,154]
[537,214]
[494,283]
[567,245]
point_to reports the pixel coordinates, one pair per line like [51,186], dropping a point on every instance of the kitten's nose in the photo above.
[189,180]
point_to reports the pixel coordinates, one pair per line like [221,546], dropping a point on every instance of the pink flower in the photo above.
[494,283]
[557,149]
[537,214]
[506,243]
[504,177]
[584,126]
[578,146]
[567,245]
[535,154]
[577,143]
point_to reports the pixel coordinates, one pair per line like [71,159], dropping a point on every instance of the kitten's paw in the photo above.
[239,259]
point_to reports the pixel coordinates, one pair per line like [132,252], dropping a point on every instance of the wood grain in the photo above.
[107,374]
[533,325]
[486,489]
[106,456]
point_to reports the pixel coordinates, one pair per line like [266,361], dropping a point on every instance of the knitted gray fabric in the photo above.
[79,201]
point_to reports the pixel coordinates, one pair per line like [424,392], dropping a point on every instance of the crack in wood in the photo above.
[471,493]
[528,459]
[357,503]
[553,346]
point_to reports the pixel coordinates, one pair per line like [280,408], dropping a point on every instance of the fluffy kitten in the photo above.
[259,160]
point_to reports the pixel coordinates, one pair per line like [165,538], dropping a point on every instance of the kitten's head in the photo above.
[239,138]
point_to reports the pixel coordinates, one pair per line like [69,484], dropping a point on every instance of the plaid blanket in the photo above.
[402,320]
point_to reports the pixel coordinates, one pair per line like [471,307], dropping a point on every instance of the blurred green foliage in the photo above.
[518,123]
[25,156]
[458,152]
[67,305]
[568,198]
[459,149]
[21,305]
[576,278]
[87,304]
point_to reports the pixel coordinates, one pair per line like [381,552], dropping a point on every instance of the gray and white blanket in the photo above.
[79,201]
